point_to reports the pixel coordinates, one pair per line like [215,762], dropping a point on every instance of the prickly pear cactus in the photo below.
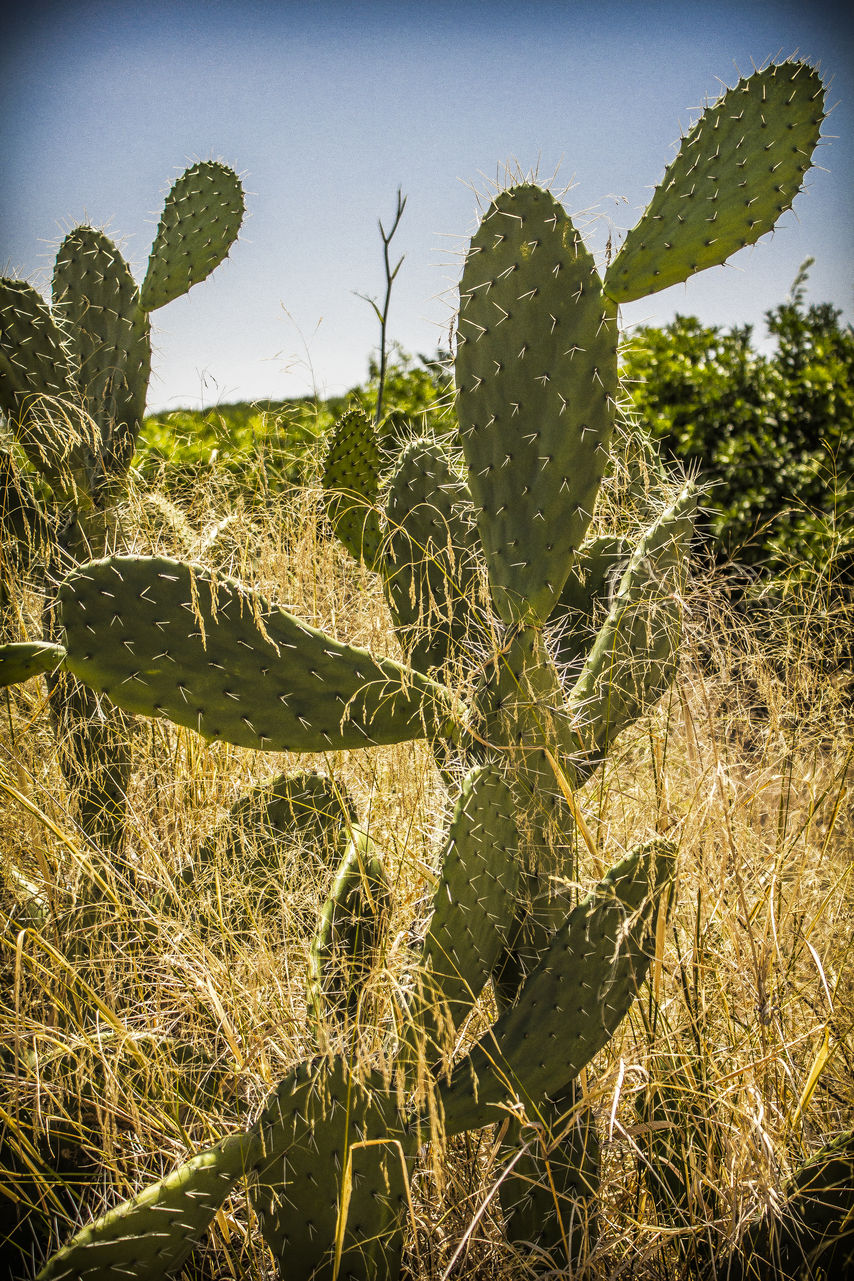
[581,638]
[73,384]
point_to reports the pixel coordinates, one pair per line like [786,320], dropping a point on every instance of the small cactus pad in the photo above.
[165,639]
[198,226]
[34,358]
[349,933]
[332,1177]
[473,907]
[571,1004]
[813,1233]
[633,659]
[24,527]
[20,660]
[536,372]
[739,168]
[351,478]
[96,302]
[430,566]
[152,1235]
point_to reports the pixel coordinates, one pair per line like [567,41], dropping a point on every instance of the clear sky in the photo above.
[327,108]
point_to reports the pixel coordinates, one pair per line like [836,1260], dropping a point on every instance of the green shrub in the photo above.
[773,433]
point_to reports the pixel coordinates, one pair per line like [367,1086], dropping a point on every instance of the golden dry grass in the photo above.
[747,1022]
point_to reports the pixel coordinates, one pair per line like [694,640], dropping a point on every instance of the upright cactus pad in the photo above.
[536,373]
[633,658]
[594,575]
[165,639]
[199,224]
[738,169]
[96,303]
[473,907]
[351,480]
[332,1181]
[571,1004]
[38,390]
[550,1191]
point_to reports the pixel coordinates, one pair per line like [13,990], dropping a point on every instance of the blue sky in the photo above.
[327,108]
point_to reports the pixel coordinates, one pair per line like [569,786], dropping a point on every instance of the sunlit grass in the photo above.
[143,1019]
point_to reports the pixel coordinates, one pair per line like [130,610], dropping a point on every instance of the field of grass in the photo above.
[139,1028]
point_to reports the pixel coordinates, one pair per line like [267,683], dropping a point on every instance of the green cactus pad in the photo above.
[349,933]
[536,372]
[739,168]
[586,588]
[165,639]
[550,1191]
[430,567]
[21,660]
[305,807]
[332,1142]
[24,527]
[34,357]
[351,477]
[38,390]
[473,906]
[633,659]
[152,1235]
[198,226]
[813,1233]
[571,1004]
[96,302]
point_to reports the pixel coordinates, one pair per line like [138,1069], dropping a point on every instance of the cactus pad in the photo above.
[164,639]
[571,1004]
[302,807]
[738,169]
[152,1235]
[633,659]
[96,302]
[536,372]
[38,391]
[550,1194]
[351,478]
[349,933]
[334,1155]
[473,906]
[430,566]
[20,660]
[198,226]
[595,573]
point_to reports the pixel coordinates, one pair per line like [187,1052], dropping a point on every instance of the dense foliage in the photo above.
[773,433]
[263,446]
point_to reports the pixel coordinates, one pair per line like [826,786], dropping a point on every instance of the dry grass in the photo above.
[747,1022]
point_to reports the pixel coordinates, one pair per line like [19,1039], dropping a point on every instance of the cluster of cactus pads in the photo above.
[73,384]
[529,645]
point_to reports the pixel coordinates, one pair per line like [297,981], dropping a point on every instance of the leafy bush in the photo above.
[772,432]
[255,448]
[260,447]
